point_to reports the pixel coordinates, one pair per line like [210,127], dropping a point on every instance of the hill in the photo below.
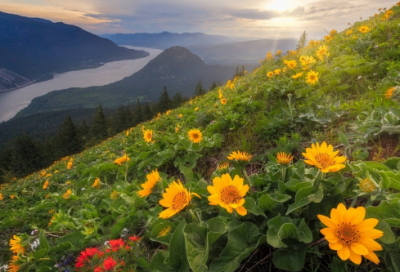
[176,68]
[239,53]
[166,39]
[33,47]
[293,167]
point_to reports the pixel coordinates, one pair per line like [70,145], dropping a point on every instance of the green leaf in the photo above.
[343,139]
[392,257]
[252,207]
[268,201]
[241,242]
[177,253]
[195,241]
[40,253]
[43,241]
[305,234]
[158,264]
[117,228]
[274,226]
[290,259]
[216,228]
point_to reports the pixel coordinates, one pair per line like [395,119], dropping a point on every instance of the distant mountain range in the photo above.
[33,47]
[213,49]
[166,39]
[237,53]
[176,68]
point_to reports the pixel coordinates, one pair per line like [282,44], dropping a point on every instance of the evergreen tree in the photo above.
[164,102]
[119,120]
[138,113]
[69,140]
[213,86]
[27,157]
[148,113]
[302,41]
[177,100]
[99,129]
[199,89]
[128,117]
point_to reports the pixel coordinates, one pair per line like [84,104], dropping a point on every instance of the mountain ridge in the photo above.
[33,47]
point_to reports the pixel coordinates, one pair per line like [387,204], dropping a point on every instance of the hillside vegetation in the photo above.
[177,193]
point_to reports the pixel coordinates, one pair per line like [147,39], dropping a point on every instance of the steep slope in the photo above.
[166,39]
[332,206]
[176,68]
[33,47]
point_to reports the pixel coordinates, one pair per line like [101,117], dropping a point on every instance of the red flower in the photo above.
[116,245]
[134,238]
[108,265]
[87,255]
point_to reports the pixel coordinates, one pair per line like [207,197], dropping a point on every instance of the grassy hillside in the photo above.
[305,213]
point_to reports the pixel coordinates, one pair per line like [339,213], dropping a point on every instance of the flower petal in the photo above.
[370,244]
[335,246]
[373,234]
[355,258]
[241,210]
[359,249]
[327,221]
[360,215]
[367,224]
[344,253]
[372,257]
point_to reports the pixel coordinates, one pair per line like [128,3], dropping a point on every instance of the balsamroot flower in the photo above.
[148,186]
[96,183]
[297,75]
[13,265]
[239,156]
[164,231]
[312,77]
[364,29]
[350,235]
[389,93]
[323,157]
[45,185]
[284,158]
[195,135]
[16,245]
[223,101]
[176,198]
[228,193]
[121,160]
[222,166]
[67,194]
[148,135]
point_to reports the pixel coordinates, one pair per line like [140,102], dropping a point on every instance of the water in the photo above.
[14,101]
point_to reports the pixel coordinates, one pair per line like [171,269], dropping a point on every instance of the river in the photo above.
[14,101]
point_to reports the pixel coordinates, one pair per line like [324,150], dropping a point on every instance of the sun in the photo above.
[279,5]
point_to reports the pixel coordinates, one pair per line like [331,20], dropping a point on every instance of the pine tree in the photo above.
[128,117]
[148,113]
[69,139]
[99,129]
[138,113]
[302,41]
[177,100]
[199,89]
[213,86]
[164,102]
[27,157]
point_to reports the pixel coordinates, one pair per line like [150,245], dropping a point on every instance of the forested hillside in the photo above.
[292,167]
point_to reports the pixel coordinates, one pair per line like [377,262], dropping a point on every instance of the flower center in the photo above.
[347,234]
[324,159]
[195,136]
[179,201]
[149,135]
[230,195]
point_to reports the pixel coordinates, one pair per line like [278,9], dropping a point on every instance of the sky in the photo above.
[274,19]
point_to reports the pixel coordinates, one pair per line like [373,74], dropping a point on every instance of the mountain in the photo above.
[33,47]
[176,68]
[166,39]
[10,80]
[238,53]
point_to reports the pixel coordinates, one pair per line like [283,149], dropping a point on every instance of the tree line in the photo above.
[24,155]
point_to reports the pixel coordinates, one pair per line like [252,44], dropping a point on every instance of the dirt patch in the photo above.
[385,147]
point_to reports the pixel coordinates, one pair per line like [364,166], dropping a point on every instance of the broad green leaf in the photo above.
[290,259]
[392,257]
[40,253]
[43,241]
[252,207]
[195,241]
[177,253]
[158,264]
[343,139]
[117,228]
[305,234]
[241,242]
